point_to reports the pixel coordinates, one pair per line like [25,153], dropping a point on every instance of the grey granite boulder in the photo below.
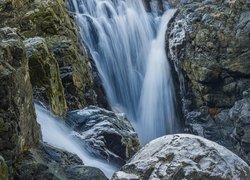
[184,156]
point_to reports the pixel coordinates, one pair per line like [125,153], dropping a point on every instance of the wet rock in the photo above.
[213,124]
[74,70]
[49,162]
[208,44]
[240,116]
[228,127]
[45,74]
[184,156]
[18,127]
[3,169]
[104,133]
[214,66]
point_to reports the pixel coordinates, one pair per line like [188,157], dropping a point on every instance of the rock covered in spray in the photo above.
[105,133]
[184,156]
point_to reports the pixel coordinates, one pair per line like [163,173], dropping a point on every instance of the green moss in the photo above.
[45,73]
[3,169]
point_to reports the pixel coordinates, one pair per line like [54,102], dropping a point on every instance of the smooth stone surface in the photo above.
[184,156]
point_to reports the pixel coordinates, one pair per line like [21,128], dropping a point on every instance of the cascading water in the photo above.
[127,45]
[157,113]
[59,135]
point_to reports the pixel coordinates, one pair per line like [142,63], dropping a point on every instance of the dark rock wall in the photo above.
[39,39]
[209,45]
[51,21]
[18,127]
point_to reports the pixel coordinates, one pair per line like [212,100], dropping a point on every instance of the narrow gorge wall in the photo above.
[40,55]
[209,46]
[58,62]
[19,130]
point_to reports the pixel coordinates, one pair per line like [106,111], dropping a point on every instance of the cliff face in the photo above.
[40,54]
[58,63]
[208,43]
[18,127]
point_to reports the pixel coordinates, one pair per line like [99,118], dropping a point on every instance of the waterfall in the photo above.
[157,113]
[127,45]
[58,134]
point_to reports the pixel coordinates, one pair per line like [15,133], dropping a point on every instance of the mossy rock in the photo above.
[45,73]
[3,169]
[75,74]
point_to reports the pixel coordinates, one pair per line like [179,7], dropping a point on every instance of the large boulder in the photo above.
[104,133]
[18,127]
[47,162]
[184,156]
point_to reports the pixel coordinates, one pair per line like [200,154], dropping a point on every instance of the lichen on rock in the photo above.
[208,44]
[44,72]
[18,127]
[51,20]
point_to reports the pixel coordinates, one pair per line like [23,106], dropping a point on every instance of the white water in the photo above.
[57,134]
[127,45]
[157,105]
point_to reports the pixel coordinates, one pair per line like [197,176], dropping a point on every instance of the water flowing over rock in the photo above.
[48,162]
[184,156]
[120,36]
[62,138]
[107,135]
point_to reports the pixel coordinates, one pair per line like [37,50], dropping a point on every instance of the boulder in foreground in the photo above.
[184,156]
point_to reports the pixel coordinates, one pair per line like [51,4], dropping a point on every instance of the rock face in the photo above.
[104,133]
[208,43]
[51,163]
[210,46]
[184,156]
[239,114]
[49,20]
[41,36]
[44,73]
[18,127]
